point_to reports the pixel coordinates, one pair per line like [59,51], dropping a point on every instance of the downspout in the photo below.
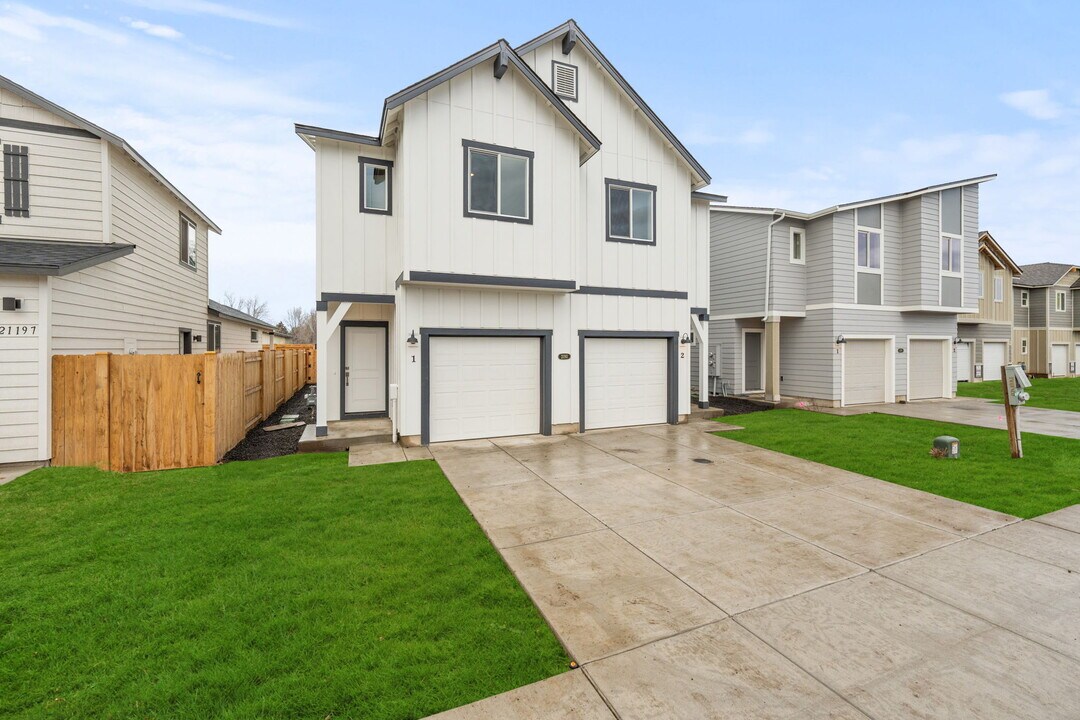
[768,263]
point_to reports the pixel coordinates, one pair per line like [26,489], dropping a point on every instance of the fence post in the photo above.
[102,411]
[210,378]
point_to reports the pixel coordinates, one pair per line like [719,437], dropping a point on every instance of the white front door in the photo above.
[483,387]
[963,362]
[1059,360]
[626,382]
[993,359]
[365,369]
[926,368]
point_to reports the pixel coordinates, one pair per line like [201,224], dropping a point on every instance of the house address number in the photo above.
[18,330]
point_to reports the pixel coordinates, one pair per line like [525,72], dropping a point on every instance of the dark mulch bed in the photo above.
[737,406]
[259,445]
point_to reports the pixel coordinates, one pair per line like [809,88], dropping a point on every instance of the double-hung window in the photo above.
[188,242]
[1059,300]
[868,250]
[631,212]
[376,193]
[498,182]
[950,254]
[1025,298]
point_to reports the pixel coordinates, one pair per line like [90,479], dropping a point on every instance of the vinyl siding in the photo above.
[807,350]
[236,336]
[820,248]
[737,262]
[1063,319]
[842,260]
[1038,308]
[971,248]
[20,358]
[1021,314]
[146,296]
[788,282]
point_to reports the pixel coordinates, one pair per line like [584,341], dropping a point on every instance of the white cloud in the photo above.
[160,31]
[204,7]
[30,23]
[1034,103]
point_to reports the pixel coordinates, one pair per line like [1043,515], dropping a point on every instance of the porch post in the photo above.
[701,329]
[322,371]
[772,360]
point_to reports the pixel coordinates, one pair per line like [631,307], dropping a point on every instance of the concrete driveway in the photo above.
[692,576]
[975,411]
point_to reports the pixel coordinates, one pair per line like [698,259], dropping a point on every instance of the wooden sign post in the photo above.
[1016,445]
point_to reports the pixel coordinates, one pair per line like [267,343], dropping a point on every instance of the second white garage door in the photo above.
[926,369]
[993,359]
[1059,360]
[866,372]
[625,382]
[484,387]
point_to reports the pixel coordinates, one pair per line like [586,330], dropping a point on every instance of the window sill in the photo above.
[498,218]
[630,241]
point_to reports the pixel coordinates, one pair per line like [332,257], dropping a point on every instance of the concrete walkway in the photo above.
[693,576]
[975,411]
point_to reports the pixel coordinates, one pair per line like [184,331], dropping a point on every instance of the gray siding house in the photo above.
[853,304]
[1046,329]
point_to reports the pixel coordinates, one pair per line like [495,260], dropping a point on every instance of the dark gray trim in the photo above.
[46,128]
[400,278]
[501,280]
[322,305]
[502,64]
[699,311]
[67,268]
[608,183]
[188,334]
[467,145]
[571,26]
[389,165]
[569,41]
[704,405]
[577,76]
[340,135]
[672,367]
[341,380]
[631,292]
[357,297]
[321,431]
[698,195]
[544,336]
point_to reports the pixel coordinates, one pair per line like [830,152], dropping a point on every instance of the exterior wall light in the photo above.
[956,340]
[412,338]
[685,339]
[840,339]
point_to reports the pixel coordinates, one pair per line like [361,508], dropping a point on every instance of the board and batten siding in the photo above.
[65,177]
[510,113]
[23,396]
[989,310]
[632,150]
[146,296]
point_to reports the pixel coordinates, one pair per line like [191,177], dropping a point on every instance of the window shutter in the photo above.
[16,181]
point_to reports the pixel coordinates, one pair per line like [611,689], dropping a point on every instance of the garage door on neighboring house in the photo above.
[482,386]
[993,359]
[866,372]
[625,381]
[963,362]
[1059,360]
[927,369]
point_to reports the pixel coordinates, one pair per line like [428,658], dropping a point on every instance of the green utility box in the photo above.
[948,445]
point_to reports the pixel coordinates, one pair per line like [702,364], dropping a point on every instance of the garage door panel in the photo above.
[926,369]
[1059,360]
[484,387]
[626,382]
[963,362]
[993,359]
[866,372]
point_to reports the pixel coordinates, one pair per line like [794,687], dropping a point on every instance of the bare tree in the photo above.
[301,325]
[254,306]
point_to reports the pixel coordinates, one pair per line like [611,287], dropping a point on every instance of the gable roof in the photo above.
[990,246]
[56,257]
[574,34]
[227,311]
[109,137]
[858,203]
[1043,274]
[503,56]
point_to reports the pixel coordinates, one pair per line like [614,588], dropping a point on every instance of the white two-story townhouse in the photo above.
[853,304]
[99,252]
[986,335]
[523,248]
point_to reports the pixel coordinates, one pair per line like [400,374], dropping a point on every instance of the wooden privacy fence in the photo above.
[154,412]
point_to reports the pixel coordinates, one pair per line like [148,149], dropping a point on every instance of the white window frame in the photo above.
[190,244]
[959,241]
[982,284]
[254,335]
[881,254]
[1025,298]
[999,288]
[1023,346]
[801,233]
[499,152]
[1064,301]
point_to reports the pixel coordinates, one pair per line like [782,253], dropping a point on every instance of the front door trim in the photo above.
[672,367]
[386,350]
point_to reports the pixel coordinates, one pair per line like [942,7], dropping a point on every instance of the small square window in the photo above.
[798,246]
[631,212]
[254,335]
[1025,298]
[376,192]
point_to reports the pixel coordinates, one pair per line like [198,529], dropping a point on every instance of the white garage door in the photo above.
[625,382]
[484,387]
[926,369]
[866,371]
[963,362]
[993,359]
[1059,360]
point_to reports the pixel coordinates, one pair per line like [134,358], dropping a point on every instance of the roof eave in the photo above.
[56,270]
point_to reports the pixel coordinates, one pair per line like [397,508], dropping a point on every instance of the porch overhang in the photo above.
[492,282]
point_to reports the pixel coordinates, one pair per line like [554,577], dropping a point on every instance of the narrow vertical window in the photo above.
[1024,296]
[376,188]
[16,181]
[999,289]
[189,242]
[798,246]
[631,212]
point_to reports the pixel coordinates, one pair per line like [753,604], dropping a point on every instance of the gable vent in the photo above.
[564,80]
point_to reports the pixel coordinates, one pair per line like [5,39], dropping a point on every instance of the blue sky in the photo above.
[793,104]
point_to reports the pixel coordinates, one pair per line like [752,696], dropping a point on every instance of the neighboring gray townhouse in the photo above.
[523,248]
[853,304]
[99,252]
[986,336]
[1046,326]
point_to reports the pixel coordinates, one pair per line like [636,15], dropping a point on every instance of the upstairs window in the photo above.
[189,242]
[376,194]
[1059,300]
[952,231]
[999,289]
[868,238]
[950,254]
[498,182]
[798,246]
[1025,298]
[16,181]
[631,212]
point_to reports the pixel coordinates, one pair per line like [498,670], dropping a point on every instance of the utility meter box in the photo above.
[1017,382]
[948,445]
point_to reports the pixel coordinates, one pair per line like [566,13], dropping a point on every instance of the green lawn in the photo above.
[287,588]
[1053,393]
[897,449]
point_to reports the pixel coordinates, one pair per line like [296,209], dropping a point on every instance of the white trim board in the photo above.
[742,359]
[894,308]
